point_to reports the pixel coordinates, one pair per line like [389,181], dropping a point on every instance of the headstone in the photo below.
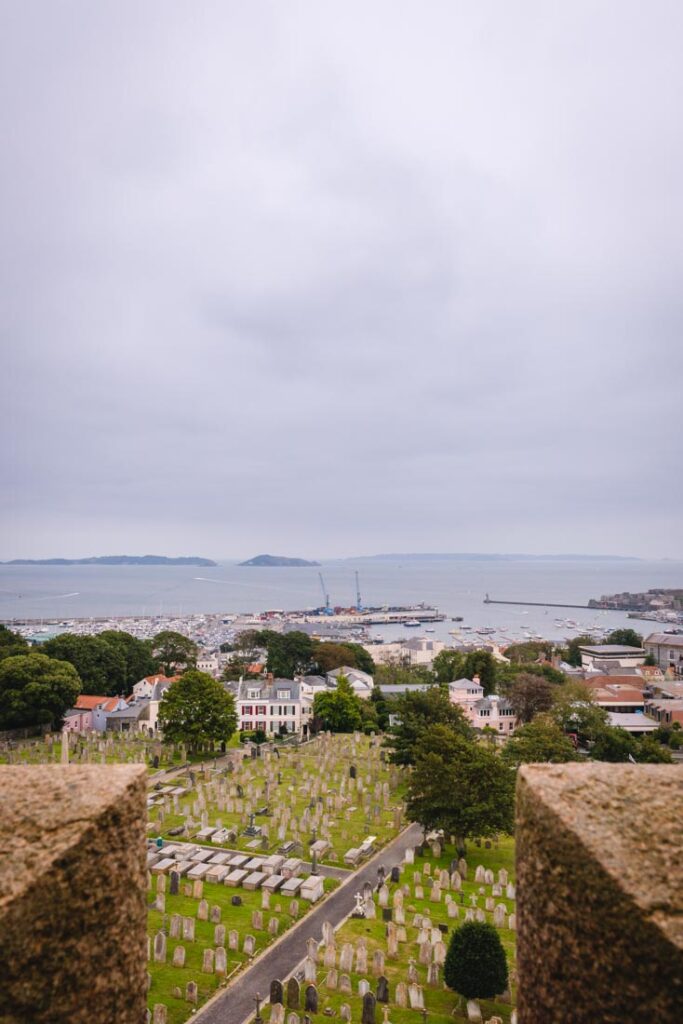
[277,1014]
[188,929]
[368,1015]
[160,948]
[378,963]
[293,994]
[276,991]
[175,926]
[159,1013]
[433,975]
[249,945]
[474,1011]
[310,971]
[311,999]
[345,1012]
[233,939]
[345,984]
[221,962]
[174,883]
[207,961]
[415,997]
[382,993]
[401,994]
[331,979]
[191,992]
[179,956]
[219,935]
[203,910]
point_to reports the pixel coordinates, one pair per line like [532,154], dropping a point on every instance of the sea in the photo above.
[456,587]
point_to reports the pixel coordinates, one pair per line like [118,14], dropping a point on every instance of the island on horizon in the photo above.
[114,560]
[278,560]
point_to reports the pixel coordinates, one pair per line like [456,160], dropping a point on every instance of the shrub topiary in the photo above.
[475,964]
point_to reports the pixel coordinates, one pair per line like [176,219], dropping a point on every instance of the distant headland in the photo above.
[113,560]
[278,560]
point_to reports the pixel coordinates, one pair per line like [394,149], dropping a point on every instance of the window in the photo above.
[284,694]
[272,709]
[247,709]
[261,709]
[253,694]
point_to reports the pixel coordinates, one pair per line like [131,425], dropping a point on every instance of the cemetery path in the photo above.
[236,1004]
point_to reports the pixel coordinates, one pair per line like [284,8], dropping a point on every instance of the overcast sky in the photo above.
[331,279]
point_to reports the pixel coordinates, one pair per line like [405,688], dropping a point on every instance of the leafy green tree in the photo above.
[475,965]
[613,744]
[198,711]
[137,655]
[36,690]
[651,752]
[448,665]
[540,740]
[650,660]
[529,695]
[417,712]
[482,664]
[11,643]
[101,666]
[522,654]
[328,656]
[572,654]
[381,706]
[289,654]
[507,675]
[575,711]
[460,786]
[338,710]
[397,672]
[174,652]
[625,638]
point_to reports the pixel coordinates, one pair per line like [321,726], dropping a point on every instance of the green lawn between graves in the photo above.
[441,1004]
[165,977]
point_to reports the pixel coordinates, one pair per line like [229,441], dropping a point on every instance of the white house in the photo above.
[274,705]
[209,663]
[605,656]
[480,711]
[361,682]
[667,650]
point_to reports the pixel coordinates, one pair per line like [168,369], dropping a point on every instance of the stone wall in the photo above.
[600,893]
[72,894]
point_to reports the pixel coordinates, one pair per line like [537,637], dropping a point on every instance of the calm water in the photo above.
[455,587]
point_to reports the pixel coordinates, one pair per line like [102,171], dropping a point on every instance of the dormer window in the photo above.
[254,694]
[284,694]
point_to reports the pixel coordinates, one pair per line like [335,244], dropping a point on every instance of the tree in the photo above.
[198,711]
[475,964]
[101,666]
[338,710]
[482,664]
[575,711]
[289,654]
[173,651]
[11,643]
[397,671]
[530,694]
[381,706]
[137,655]
[460,786]
[448,665]
[625,638]
[651,752]
[36,690]
[328,656]
[540,740]
[613,745]
[521,654]
[572,654]
[417,712]
[507,675]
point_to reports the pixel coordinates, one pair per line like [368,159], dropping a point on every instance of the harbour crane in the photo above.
[326,596]
[358,601]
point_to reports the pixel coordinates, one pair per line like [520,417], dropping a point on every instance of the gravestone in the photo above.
[191,992]
[276,991]
[174,883]
[401,995]
[311,999]
[293,994]
[345,984]
[368,1015]
[382,993]
[221,962]
[160,948]
[179,956]
[207,961]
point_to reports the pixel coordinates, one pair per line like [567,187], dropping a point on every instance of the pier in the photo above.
[539,604]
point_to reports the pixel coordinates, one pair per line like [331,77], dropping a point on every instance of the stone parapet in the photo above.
[72,894]
[600,893]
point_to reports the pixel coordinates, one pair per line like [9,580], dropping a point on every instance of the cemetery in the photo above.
[335,800]
[386,962]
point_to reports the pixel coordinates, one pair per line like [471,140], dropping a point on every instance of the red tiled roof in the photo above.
[86,702]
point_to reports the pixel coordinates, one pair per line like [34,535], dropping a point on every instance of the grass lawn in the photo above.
[165,977]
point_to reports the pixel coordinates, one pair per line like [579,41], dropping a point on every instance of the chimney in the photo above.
[269,677]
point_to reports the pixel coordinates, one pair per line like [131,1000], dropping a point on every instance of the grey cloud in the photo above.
[334,280]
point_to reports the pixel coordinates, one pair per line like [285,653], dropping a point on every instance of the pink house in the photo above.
[78,720]
[480,711]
